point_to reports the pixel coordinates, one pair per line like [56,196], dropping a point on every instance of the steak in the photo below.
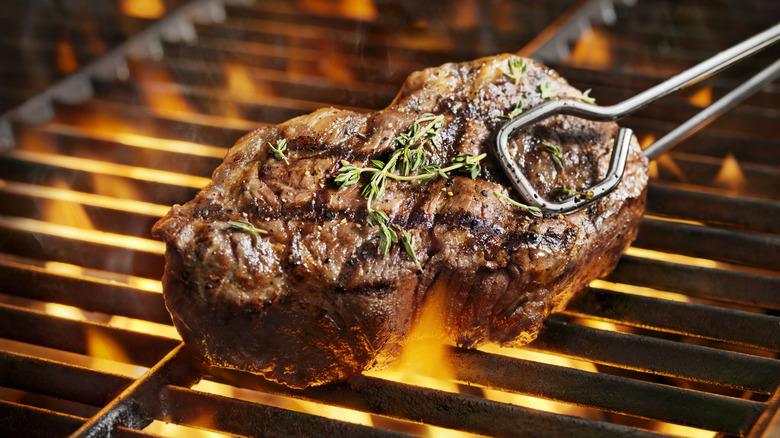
[317,299]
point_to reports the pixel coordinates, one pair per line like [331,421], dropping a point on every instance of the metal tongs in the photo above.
[615,112]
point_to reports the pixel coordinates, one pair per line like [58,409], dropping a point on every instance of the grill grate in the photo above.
[683,338]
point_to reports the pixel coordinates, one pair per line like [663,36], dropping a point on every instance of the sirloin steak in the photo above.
[315,301]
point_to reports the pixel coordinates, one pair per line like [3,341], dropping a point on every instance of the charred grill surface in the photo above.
[314,300]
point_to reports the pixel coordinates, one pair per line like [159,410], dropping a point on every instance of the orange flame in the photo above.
[66,56]
[239,81]
[668,168]
[424,352]
[162,92]
[337,66]
[357,9]
[702,97]
[143,8]
[65,212]
[592,50]
[464,15]
[730,176]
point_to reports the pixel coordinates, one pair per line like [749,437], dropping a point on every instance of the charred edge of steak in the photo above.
[314,301]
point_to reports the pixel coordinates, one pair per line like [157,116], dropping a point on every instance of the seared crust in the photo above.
[314,301]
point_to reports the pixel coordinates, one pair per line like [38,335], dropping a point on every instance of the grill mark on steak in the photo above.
[314,301]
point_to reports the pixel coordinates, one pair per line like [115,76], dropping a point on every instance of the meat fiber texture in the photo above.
[315,301]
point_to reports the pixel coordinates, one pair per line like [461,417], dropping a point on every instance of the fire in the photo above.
[424,361]
[66,56]
[241,86]
[143,8]
[646,141]
[337,66]
[702,97]
[730,176]
[592,50]
[639,290]
[465,15]
[102,346]
[357,9]
[424,352]
[238,80]
[65,212]
[535,402]
[162,92]
[666,167]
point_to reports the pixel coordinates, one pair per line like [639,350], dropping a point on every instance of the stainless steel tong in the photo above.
[615,112]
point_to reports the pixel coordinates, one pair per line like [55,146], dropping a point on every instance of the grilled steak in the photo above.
[315,300]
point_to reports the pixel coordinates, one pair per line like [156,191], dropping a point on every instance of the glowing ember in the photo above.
[592,50]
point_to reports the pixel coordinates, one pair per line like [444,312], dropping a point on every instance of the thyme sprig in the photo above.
[412,159]
[585,97]
[349,174]
[278,150]
[517,68]
[407,241]
[516,111]
[562,193]
[407,163]
[248,227]
[555,153]
[532,210]
[548,89]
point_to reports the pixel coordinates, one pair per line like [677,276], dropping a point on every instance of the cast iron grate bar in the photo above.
[16,420]
[439,408]
[751,249]
[730,286]
[608,392]
[659,356]
[744,328]
[109,297]
[751,213]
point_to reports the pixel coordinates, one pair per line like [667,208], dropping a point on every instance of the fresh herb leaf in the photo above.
[404,164]
[516,111]
[555,153]
[387,237]
[417,134]
[248,227]
[349,174]
[562,193]
[407,240]
[377,217]
[517,68]
[469,164]
[585,97]
[548,89]
[530,209]
[278,150]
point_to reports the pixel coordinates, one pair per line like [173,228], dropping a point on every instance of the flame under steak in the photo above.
[314,300]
